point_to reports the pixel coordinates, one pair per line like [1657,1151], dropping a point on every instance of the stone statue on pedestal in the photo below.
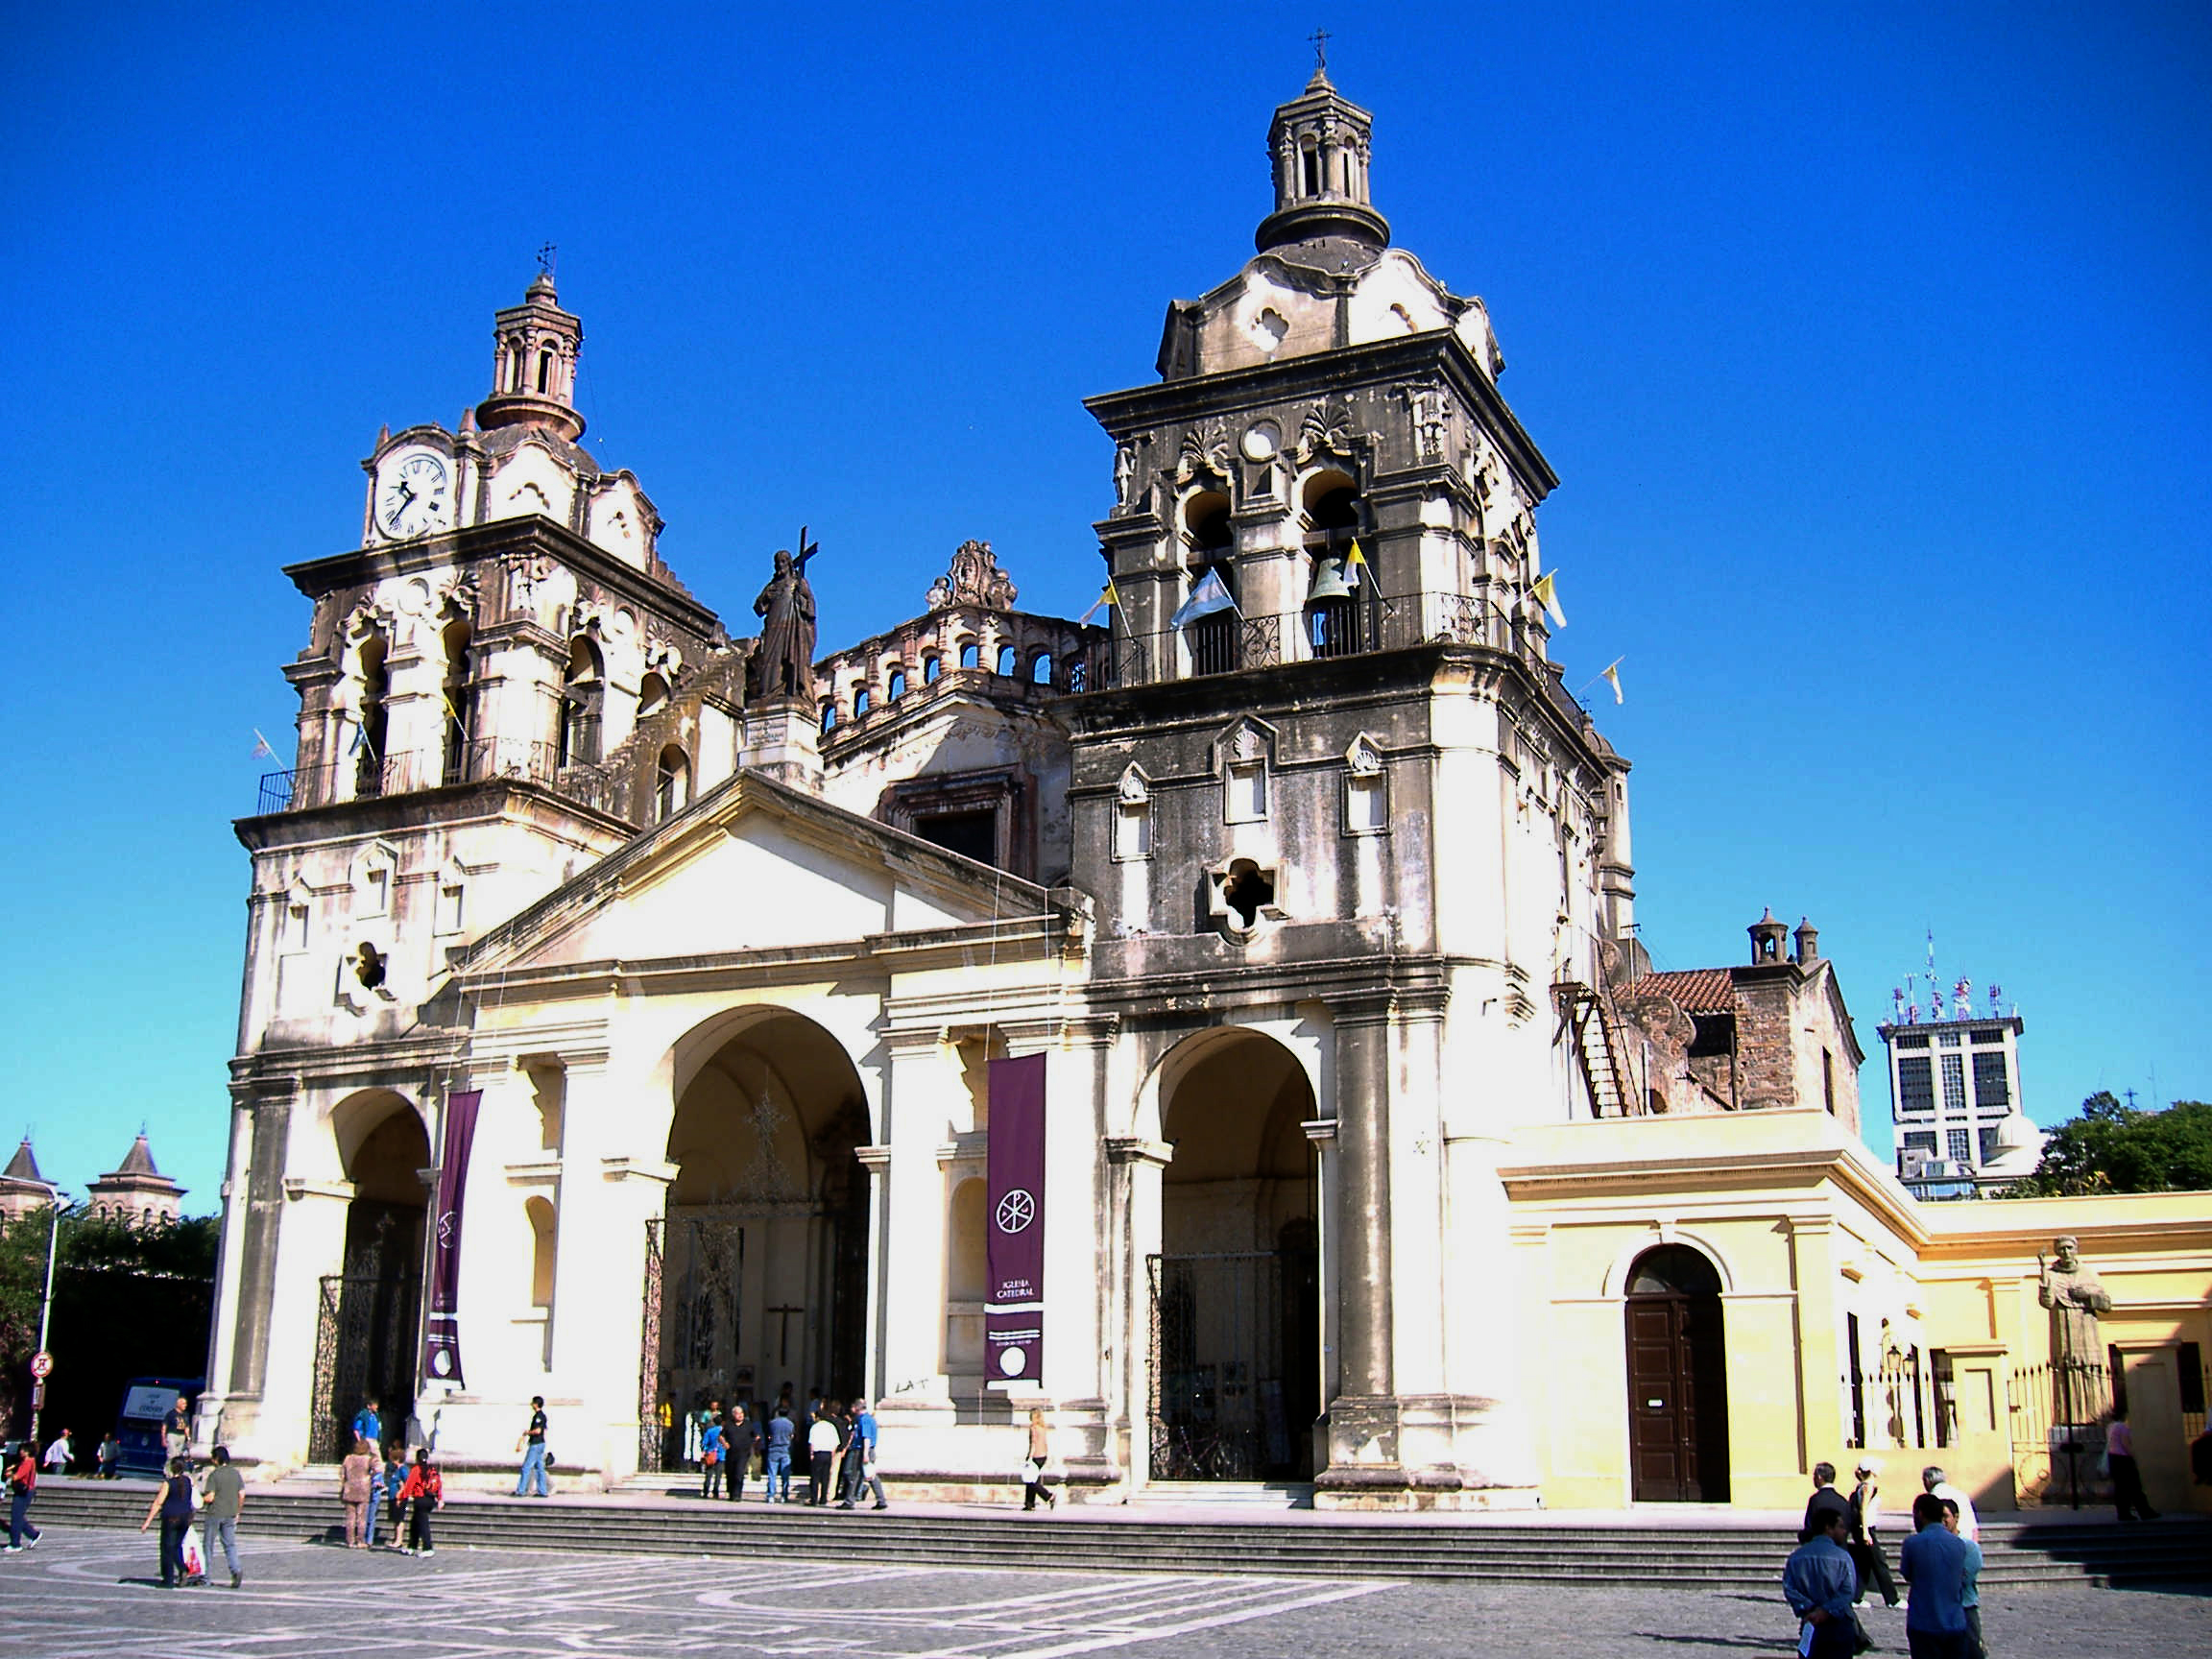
[784,667]
[2076,1298]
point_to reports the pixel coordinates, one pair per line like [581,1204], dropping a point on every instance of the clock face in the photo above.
[411,493]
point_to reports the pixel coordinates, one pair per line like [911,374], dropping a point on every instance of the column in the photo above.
[266,1110]
[1363,1467]
[1134,1170]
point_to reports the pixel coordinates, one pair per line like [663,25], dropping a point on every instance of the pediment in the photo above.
[753,867]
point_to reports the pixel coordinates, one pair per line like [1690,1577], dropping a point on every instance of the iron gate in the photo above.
[365,1337]
[1219,1407]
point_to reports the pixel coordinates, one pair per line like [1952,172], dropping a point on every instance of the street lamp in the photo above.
[46,1304]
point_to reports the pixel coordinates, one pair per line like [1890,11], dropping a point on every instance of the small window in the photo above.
[896,688]
[1960,1145]
[829,716]
[449,911]
[1916,1086]
[294,927]
[932,666]
[1246,796]
[542,1241]
[1007,661]
[1040,670]
[860,702]
[1367,806]
[1913,1040]
[2192,1379]
[544,370]
[970,654]
[1132,830]
[1828,1080]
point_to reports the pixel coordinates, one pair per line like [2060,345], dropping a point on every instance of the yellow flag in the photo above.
[1106,596]
[1546,594]
[1355,557]
[1612,678]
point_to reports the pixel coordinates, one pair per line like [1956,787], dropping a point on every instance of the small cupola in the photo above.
[1808,939]
[534,352]
[1766,936]
[1320,142]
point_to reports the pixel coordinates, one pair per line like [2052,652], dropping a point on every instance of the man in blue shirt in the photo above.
[1935,1559]
[1976,1647]
[1819,1583]
[775,1465]
[368,1426]
[860,1459]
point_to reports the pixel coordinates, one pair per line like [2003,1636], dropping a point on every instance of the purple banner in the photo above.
[1014,1311]
[441,1330]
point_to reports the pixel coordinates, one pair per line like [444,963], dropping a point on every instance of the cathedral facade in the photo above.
[623,995]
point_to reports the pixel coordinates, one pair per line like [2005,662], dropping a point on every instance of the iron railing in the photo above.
[361,778]
[1364,622]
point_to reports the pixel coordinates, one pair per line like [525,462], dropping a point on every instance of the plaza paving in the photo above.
[94,1593]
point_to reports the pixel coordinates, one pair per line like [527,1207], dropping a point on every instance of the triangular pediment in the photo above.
[755,866]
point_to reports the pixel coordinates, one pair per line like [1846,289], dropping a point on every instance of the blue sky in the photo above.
[1870,342]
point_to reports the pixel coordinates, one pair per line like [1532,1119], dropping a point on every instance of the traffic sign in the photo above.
[42,1364]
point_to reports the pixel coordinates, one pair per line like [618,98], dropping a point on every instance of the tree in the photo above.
[2115,1148]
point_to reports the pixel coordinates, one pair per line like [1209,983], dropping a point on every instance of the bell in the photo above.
[1328,581]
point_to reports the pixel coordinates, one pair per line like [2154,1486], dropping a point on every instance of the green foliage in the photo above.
[2115,1148]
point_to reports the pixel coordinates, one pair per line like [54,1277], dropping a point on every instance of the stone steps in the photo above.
[1122,1540]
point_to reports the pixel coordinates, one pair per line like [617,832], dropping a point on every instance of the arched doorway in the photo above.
[370,1318]
[764,1249]
[1677,1379]
[1234,1361]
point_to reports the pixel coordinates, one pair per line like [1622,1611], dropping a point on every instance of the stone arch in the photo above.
[765,1277]
[1615,1283]
[1234,1270]
[381,1140]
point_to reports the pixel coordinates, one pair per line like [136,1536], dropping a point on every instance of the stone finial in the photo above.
[1807,938]
[1766,936]
[973,579]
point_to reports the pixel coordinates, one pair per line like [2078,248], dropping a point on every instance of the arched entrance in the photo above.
[1677,1379]
[370,1327]
[1234,1361]
[762,1254]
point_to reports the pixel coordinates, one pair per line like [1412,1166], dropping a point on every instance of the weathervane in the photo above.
[1320,41]
[545,253]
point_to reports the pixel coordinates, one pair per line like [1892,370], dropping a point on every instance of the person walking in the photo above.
[1033,1466]
[2127,1493]
[824,1441]
[107,1460]
[355,1477]
[58,1453]
[22,1488]
[1819,1584]
[861,1459]
[776,1464]
[1933,1560]
[177,1431]
[172,1507]
[710,1457]
[1825,1500]
[739,1436]
[424,1494]
[532,1446]
[222,1495]
[1865,1541]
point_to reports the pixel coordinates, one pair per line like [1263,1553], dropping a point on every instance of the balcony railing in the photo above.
[363,777]
[1227,641]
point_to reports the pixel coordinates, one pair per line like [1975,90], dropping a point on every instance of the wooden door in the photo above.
[1677,1412]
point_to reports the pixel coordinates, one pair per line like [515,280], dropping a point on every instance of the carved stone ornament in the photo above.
[1325,427]
[1205,449]
[973,579]
[1136,788]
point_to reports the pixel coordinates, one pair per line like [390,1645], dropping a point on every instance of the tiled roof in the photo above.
[140,1159]
[23,1166]
[1695,991]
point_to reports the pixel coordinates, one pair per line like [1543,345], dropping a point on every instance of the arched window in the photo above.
[970,654]
[860,702]
[583,695]
[369,738]
[546,371]
[459,711]
[932,665]
[652,693]
[1007,661]
[1341,597]
[1040,669]
[829,715]
[672,785]
[1213,640]
[896,687]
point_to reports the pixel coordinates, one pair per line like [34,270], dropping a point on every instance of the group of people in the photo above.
[106,1459]
[377,1477]
[838,1450]
[214,1498]
[1839,1557]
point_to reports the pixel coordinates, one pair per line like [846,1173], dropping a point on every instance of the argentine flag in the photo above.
[1208,597]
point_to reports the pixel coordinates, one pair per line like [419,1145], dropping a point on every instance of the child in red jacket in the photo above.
[422,1493]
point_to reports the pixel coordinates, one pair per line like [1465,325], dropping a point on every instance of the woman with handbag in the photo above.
[172,1507]
[354,1475]
[1033,1466]
[424,1492]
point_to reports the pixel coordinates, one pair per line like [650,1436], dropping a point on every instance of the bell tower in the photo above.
[1336,785]
[534,352]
